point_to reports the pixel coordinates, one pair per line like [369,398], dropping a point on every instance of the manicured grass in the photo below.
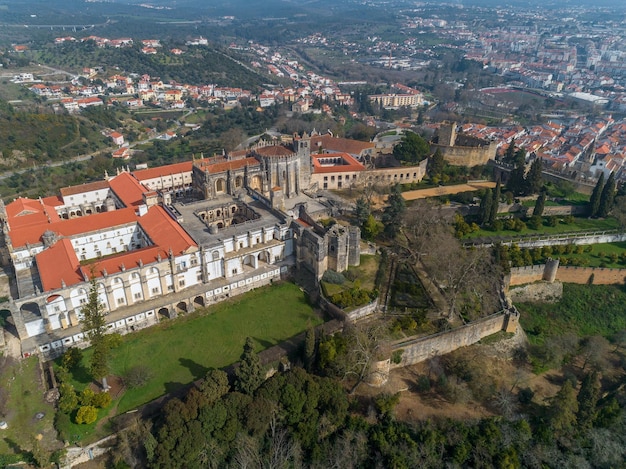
[584,310]
[365,274]
[22,396]
[182,350]
[593,258]
[579,224]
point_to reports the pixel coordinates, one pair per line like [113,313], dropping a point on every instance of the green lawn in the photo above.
[600,255]
[364,273]
[182,350]
[584,310]
[579,224]
[21,398]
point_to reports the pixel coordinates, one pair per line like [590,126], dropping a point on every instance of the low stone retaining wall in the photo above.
[419,350]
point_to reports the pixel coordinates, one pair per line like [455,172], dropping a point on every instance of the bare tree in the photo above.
[423,225]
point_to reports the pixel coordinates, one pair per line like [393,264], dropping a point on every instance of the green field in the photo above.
[584,310]
[579,224]
[21,396]
[182,350]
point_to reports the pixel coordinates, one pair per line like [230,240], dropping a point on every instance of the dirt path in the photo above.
[447,190]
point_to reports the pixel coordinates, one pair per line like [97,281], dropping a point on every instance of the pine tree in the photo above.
[249,374]
[540,205]
[607,197]
[485,208]
[495,203]
[588,399]
[534,182]
[594,200]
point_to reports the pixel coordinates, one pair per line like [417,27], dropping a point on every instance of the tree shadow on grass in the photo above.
[264,343]
[197,370]
[81,374]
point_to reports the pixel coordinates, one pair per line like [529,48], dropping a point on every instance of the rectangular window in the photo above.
[138,296]
[121,301]
[170,287]
[181,283]
[199,277]
[155,291]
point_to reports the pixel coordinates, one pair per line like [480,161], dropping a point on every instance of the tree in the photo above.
[214,385]
[392,215]
[539,204]
[509,156]
[607,197]
[86,414]
[495,203]
[362,211]
[588,399]
[594,200]
[563,408]
[94,327]
[371,228]
[436,163]
[249,374]
[485,208]
[310,345]
[517,183]
[412,148]
[534,182]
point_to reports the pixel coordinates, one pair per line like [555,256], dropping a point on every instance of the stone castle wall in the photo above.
[568,274]
[419,350]
[466,156]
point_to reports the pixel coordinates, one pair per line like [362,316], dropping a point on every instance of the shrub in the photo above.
[101,400]
[526,395]
[331,276]
[423,383]
[137,376]
[386,403]
[535,222]
[396,357]
[86,414]
[71,357]
[86,397]
[68,400]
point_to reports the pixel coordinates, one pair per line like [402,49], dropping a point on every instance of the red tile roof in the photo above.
[87,187]
[32,233]
[161,171]
[58,264]
[227,165]
[274,150]
[349,164]
[23,213]
[328,142]
[128,189]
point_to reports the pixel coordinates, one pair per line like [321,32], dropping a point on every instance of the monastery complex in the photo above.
[161,241]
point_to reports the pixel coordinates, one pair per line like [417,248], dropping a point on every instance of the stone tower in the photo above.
[447,134]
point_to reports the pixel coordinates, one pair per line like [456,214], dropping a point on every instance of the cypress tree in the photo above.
[495,202]
[534,183]
[587,400]
[539,205]
[509,156]
[485,208]
[594,200]
[607,197]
